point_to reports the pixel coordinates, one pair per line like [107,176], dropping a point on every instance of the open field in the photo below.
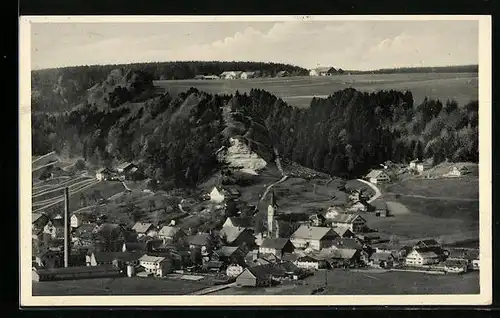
[466,187]
[117,286]
[298,91]
[348,282]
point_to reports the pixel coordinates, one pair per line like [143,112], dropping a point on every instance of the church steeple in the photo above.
[272,225]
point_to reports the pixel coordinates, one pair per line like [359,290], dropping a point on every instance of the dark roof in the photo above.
[120,256]
[276,243]
[77,269]
[382,256]
[289,267]
[290,257]
[226,251]
[201,239]
[264,271]
[57,222]
[347,243]
[241,221]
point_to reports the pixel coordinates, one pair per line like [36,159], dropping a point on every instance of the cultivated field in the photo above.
[117,286]
[348,282]
[298,91]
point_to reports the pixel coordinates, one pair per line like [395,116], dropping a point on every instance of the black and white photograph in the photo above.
[221,159]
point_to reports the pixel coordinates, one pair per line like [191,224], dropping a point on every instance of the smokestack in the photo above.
[67,225]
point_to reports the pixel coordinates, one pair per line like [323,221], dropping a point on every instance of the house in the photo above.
[126,168]
[313,237]
[145,229]
[404,251]
[171,234]
[119,259]
[354,196]
[418,258]
[350,243]
[233,270]
[458,171]
[83,235]
[317,220]
[54,228]
[103,174]
[380,208]
[456,266]
[76,272]
[311,262]
[216,195]
[156,265]
[346,255]
[359,206]
[238,236]
[39,220]
[229,255]
[344,232]
[377,176]
[243,222]
[423,166]
[78,219]
[231,74]
[414,163]
[202,241]
[322,71]
[427,243]
[276,246]
[382,259]
[333,211]
[353,222]
[262,275]
[247,75]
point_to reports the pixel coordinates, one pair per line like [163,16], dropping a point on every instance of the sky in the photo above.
[353,45]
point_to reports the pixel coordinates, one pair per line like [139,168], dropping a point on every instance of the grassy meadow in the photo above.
[298,91]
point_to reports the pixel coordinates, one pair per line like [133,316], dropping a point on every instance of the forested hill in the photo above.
[438,69]
[56,89]
[175,139]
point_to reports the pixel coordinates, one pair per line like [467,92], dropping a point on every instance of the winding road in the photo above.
[374,187]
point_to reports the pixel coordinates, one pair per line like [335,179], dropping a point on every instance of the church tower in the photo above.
[272,225]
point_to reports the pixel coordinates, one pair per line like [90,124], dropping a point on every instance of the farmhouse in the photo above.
[118,259]
[377,176]
[104,174]
[145,229]
[156,265]
[353,222]
[54,228]
[311,262]
[200,240]
[229,255]
[418,258]
[237,236]
[247,75]
[171,234]
[423,166]
[231,74]
[350,243]
[359,206]
[262,275]
[126,168]
[78,219]
[380,208]
[71,273]
[216,195]
[344,232]
[276,246]
[413,164]
[322,71]
[458,171]
[313,237]
[243,222]
[382,259]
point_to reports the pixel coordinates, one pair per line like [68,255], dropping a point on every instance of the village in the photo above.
[235,255]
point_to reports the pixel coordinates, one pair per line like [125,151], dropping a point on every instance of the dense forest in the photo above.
[438,69]
[175,139]
[57,89]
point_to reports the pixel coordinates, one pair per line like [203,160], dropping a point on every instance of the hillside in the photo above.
[177,140]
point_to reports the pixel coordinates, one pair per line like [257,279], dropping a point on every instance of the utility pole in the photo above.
[67,225]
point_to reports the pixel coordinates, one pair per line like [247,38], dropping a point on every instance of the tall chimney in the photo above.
[67,225]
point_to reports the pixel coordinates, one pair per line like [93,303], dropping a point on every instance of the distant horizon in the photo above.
[240,61]
[353,45]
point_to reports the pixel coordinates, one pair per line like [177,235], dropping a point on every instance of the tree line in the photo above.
[175,139]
